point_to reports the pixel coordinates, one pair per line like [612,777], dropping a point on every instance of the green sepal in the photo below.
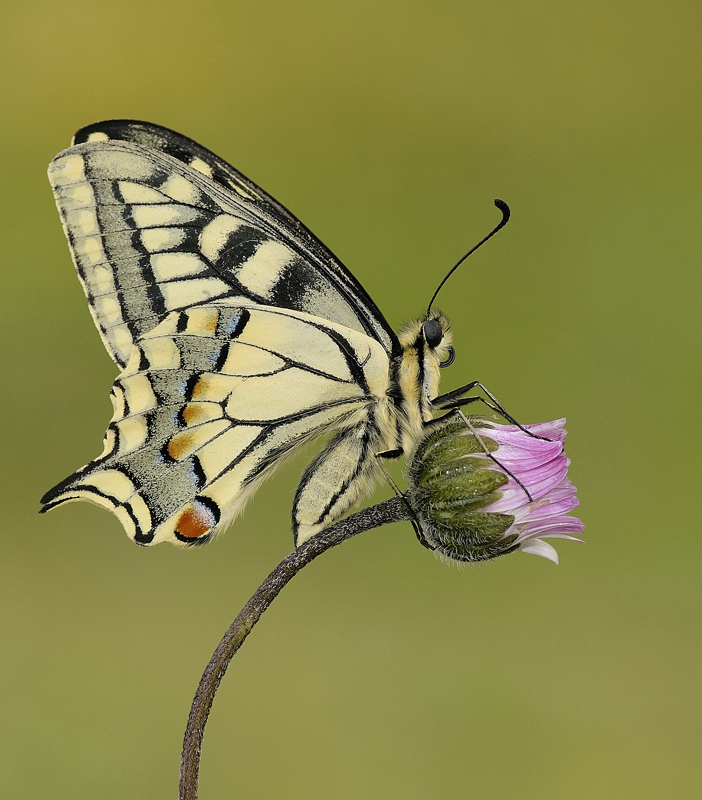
[449,443]
[475,528]
[469,483]
[478,542]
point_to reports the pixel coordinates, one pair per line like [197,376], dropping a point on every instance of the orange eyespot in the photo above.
[196,521]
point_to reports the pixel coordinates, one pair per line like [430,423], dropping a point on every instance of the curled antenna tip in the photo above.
[504,208]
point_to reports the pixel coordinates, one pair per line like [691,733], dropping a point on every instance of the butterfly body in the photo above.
[239,335]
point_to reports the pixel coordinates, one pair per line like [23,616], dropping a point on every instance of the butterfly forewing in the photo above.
[156,137]
[150,234]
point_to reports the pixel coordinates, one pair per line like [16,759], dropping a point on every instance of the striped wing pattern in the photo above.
[210,400]
[156,137]
[151,234]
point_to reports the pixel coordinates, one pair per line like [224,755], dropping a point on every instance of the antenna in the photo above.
[504,208]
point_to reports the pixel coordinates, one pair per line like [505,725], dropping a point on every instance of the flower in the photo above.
[480,489]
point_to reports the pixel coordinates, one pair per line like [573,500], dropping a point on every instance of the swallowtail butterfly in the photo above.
[239,337]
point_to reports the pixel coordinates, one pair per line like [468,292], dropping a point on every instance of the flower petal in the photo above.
[549,508]
[551,526]
[522,451]
[539,548]
[538,483]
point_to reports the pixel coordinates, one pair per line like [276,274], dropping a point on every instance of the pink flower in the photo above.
[481,489]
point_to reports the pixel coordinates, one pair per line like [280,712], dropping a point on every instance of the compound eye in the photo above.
[433,332]
[450,358]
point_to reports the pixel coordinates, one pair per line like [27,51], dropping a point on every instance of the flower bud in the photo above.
[482,490]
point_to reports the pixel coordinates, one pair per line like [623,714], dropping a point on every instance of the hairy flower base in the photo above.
[482,490]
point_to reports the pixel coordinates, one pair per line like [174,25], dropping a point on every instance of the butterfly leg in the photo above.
[455,399]
[413,519]
[454,410]
[390,453]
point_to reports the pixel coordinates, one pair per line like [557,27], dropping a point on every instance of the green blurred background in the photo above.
[380,673]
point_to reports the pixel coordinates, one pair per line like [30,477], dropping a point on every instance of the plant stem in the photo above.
[394,510]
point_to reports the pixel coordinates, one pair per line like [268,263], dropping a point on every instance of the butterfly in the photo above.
[239,336]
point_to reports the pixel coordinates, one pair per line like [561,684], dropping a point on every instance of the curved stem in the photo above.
[394,510]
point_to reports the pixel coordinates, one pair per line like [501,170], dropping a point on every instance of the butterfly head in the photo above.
[426,346]
[429,338]
[437,339]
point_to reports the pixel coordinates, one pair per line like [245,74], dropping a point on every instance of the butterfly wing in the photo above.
[156,137]
[167,226]
[210,401]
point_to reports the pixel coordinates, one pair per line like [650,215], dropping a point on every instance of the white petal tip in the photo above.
[538,547]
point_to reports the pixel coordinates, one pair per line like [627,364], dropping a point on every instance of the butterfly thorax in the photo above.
[416,376]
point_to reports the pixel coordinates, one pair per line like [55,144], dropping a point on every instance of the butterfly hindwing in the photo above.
[210,401]
[151,234]
[337,477]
